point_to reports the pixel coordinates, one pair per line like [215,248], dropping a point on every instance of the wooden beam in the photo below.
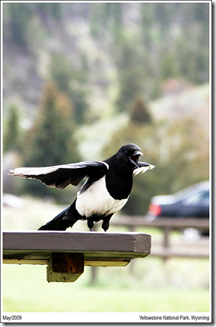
[134,244]
[39,245]
[108,262]
[65,267]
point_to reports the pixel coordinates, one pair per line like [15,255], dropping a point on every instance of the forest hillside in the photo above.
[81,79]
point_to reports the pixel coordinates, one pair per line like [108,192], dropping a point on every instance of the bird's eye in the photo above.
[126,152]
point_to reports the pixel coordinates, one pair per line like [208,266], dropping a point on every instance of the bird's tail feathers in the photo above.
[61,222]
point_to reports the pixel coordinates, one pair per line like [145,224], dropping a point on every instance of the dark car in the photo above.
[190,202]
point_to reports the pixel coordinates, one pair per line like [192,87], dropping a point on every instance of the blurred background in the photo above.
[79,81]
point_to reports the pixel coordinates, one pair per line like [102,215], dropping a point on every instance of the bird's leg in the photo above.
[105,224]
[90,224]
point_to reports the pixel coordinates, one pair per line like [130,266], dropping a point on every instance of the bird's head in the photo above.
[131,153]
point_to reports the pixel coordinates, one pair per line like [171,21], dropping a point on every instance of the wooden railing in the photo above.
[166,248]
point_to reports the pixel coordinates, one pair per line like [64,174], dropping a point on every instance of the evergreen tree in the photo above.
[50,141]
[72,81]
[140,113]
[12,131]
[130,74]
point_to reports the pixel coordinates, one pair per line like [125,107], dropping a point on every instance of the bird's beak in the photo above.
[135,158]
[138,153]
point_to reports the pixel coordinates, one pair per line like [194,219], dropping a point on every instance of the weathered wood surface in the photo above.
[102,248]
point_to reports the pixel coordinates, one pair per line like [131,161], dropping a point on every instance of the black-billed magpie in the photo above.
[105,192]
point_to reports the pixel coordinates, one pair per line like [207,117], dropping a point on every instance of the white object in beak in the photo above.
[143,169]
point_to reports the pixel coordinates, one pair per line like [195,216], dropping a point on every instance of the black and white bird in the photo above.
[105,192]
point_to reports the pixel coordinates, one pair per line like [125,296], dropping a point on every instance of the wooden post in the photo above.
[131,267]
[166,242]
[65,267]
[94,269]
[93,278]
[166,237]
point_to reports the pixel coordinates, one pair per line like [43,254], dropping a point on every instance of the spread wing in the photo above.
[63,175]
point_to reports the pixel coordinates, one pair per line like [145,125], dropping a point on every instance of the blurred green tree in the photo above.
[140,45]
[72,80]
[140,113]
[130,74]
[16,20]
[50,9]
[178,149]
[50,140]
[12,132]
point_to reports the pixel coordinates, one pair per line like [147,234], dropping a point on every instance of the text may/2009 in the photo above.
[12,317]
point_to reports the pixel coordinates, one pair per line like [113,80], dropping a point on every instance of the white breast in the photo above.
[97,200]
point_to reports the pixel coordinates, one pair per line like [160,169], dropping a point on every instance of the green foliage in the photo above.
[16,19]
[108,56]
[60,72]
[130,74]
[47,10]
[145,43]
[12,132]
[140,113]
[179,150]
[50,141]
[73,81]
[106,20]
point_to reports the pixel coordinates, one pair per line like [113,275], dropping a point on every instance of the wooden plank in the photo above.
[112,262]
[58,241]
[115,249]
[26,261]
[107,263]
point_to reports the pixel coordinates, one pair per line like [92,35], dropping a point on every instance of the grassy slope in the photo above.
[25,290]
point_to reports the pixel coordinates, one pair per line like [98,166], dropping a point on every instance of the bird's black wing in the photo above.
[63,175]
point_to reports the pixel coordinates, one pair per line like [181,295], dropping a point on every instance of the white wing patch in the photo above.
[27,171]
[97,200]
